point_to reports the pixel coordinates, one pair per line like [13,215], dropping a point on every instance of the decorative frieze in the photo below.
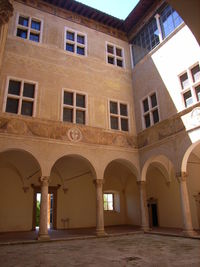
[65,132]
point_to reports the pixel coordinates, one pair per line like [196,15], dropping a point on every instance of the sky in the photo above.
[116,8]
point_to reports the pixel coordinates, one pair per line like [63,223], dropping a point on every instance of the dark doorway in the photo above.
[153,212]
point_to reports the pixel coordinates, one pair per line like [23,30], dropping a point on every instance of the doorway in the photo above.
[153,212]
[52,208]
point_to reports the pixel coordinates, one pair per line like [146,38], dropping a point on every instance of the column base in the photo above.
[43,237]
[100,233]
[189,233]
[145,228]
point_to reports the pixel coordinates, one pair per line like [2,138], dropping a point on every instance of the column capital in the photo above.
[44,180]
[98,182]
[6,11]
[141,183]
[181,176]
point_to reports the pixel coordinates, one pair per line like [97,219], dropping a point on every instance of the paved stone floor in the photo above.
[119,251]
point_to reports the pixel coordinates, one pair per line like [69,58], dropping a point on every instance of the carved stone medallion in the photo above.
[74,134]
[195,116]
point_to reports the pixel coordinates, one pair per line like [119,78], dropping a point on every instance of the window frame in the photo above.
[113,201]
[118,115]
[75,43]
[114,55]
[74,107]
[191,86]
[20,97]
[150,110]
[28,28]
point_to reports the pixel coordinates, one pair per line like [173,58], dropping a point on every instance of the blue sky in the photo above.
[116,8]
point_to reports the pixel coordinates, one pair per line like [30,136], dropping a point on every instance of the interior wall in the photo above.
[168,198]
[193,185]
[16,206]
[120,180]
[76,206]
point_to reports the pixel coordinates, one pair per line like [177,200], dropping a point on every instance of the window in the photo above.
[108,201]
[118,116]
[20,98]
[115,55]
[190,85]
[74,107]
[148,38]
[75,42]
[150,110]
[29,28]
[169,20]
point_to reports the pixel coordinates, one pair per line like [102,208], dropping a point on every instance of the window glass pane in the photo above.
[80,100]
[184,81]
[23,21]
[110,49]
[68,114]
[195,73]
[80,117]
[111,60]
[147,120]
[27,108]
[29,90]
[124,124]
[153,100]
[119,52]
[110,205]
[68,98]
[114,123]
[197,90]
[155,116]
[12,105]
[123,110]
[110,197]
[81,39]
[188,98]
[113,107]
[70,36]
[14,87]
[119,62]
[35,25]
[69,47]
[22,33]
[105,197]
[80,50]
[145,105]
[34,37]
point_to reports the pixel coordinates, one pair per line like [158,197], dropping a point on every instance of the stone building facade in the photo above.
[101,114]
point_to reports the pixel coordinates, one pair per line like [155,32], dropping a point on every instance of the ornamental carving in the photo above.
[53,130]
[195,116]
[6,11]
[74,135]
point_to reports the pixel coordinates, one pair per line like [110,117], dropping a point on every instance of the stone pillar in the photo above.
[99,208]
[143,205]
[43,229]
[185,205]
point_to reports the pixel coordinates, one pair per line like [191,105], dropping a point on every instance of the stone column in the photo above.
[185,205]
[99,208]
[43,229]
[143,205]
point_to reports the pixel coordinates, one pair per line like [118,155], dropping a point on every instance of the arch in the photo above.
[125,163]
[162,163]
[93,171]
[187,154]
[12,164]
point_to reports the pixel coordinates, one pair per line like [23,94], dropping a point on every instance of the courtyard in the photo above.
[125,250]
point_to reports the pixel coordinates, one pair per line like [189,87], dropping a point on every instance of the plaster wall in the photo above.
[168,198]
[161,69]
[54,69]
